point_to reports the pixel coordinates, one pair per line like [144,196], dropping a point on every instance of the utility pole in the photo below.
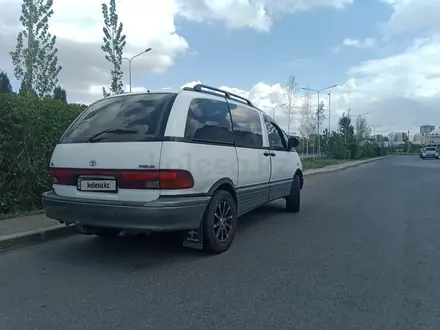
[374,131]
[329,105]
[318,116]
[318,91]
[408,142]
[129,63]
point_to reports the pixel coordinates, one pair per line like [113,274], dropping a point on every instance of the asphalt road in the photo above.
[364,253]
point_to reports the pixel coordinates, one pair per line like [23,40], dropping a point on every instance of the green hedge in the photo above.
[29,130]
[355,151]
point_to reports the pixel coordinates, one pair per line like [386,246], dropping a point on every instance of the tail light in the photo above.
[63,176]
[128,179]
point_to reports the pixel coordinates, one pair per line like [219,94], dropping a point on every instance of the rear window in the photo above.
[430,149]
[210,121]
[125,118]
[247,127]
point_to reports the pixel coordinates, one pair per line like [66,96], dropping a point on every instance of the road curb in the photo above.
[35,236]
[345,166]
[59,231]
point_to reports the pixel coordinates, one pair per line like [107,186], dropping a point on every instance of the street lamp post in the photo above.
[318,91]
[129,63]
[329,104]
[273,108]
[374,130]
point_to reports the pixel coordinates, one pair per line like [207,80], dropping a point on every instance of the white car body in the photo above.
[168,153]
[430,152]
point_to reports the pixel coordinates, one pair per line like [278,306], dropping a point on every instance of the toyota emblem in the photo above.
[92,163]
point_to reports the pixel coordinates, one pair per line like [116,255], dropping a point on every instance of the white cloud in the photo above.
[413,15]
[255,14]
[356,43]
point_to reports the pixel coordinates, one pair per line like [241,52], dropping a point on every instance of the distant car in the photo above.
[430,152]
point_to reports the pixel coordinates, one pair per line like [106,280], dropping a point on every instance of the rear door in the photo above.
[253,158]
[112,151]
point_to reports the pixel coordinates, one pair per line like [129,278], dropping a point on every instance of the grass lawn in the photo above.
[312,163]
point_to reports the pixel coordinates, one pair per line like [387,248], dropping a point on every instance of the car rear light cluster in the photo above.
[127,179]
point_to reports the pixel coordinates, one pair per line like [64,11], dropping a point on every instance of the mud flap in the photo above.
[194,238]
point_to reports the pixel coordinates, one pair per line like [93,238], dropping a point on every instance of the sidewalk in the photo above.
[28,223]
[337,167]
[36,228]
[22,231]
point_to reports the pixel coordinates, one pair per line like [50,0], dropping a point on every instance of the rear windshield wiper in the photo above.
[94,138]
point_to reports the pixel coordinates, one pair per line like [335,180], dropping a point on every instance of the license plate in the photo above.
[97,185]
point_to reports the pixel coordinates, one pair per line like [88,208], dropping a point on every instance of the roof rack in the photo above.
[212,90]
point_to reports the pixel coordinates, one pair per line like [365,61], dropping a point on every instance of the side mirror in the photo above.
[293,142]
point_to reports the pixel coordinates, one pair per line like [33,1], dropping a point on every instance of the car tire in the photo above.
[293,201]
[221,206]
[107,233]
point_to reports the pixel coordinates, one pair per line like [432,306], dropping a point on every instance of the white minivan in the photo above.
[190,161]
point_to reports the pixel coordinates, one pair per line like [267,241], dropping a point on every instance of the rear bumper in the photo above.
[163,214]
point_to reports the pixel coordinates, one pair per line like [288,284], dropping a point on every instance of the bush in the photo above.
[356,150]
[29,130]
[339,152]
[381,151]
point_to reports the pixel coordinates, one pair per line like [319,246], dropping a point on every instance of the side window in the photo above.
[275,135]
[210,121]
[247,127]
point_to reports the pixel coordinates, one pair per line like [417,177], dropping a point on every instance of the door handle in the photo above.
[273,154]
[266,153]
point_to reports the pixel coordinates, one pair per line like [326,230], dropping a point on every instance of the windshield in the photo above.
[430,149]
[109,118]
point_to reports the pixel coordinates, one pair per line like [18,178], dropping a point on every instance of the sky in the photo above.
[383,54]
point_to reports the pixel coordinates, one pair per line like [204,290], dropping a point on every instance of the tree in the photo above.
[36,62]
[307,127]
[319,118]
[362,129]
[346,128]
[5,84]
[60,94]
[113,46]
[320,115]
[26,91]
[290,96]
